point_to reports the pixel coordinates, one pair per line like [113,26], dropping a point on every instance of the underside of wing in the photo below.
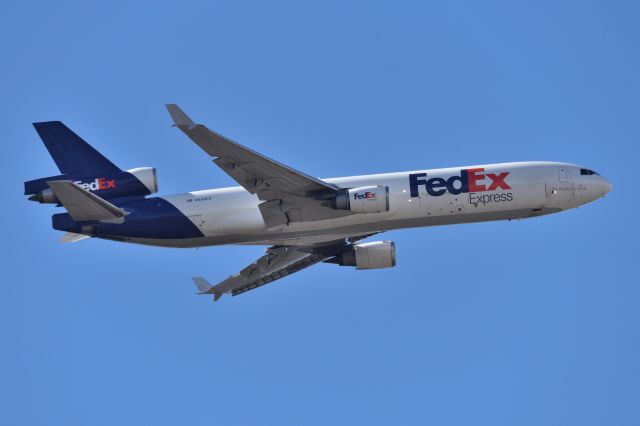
[278,262]
[256,276]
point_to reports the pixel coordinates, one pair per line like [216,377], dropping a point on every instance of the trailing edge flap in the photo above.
[83,205]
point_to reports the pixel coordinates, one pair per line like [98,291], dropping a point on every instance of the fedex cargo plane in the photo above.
[304,220]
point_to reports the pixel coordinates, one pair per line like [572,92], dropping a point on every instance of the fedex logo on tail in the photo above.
[469,180]
[98,184]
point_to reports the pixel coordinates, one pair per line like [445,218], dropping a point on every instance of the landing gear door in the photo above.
[562,174]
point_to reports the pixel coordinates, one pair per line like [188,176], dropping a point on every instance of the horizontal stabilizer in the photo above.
[82,205]
[71,237]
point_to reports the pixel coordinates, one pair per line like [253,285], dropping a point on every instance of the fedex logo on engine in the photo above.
[98,184]
[470,180]
[363,195]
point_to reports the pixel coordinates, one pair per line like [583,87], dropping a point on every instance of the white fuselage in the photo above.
[521,190]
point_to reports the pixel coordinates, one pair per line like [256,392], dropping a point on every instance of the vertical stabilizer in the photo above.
[70,152]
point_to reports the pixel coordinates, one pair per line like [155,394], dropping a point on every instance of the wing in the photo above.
[287,194]
[278,262]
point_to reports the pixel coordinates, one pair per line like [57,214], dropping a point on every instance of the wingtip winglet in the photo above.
[178,116]
[205,288]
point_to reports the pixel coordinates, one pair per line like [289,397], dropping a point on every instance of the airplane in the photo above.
[304,220]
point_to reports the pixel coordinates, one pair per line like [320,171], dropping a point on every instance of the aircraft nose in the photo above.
[605,186]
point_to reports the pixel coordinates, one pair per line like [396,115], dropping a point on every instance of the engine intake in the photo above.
[366,199]
[373,255]
[148,177]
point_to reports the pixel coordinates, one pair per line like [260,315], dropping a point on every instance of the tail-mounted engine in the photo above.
[137,182]
[366,199]
[374,255]
[81,164]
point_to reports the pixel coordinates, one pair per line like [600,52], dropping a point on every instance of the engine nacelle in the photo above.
[148,177]
[138,182]
[374,255]
[366,199]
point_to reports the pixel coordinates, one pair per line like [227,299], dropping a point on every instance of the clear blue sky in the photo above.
[508,323]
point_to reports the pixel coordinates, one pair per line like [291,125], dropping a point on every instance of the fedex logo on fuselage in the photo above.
[98,184]
[469,180]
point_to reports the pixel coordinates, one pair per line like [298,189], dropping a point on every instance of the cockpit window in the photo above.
[587,172]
